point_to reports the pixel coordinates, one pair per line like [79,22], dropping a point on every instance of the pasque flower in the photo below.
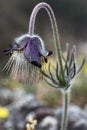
[25,50]
[30,49]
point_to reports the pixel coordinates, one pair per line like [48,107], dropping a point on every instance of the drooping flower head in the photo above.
[27,52]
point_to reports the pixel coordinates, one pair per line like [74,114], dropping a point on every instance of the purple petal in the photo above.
[41,47]
[32,54]
[20,42]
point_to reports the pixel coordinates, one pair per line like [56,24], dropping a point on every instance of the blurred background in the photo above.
[71,18]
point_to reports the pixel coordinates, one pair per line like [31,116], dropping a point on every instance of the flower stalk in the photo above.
[65,109]
[54,28]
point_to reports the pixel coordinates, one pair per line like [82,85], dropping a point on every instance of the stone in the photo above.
[49,123]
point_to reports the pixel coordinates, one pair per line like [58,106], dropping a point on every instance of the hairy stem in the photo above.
[65,109]
[54,28]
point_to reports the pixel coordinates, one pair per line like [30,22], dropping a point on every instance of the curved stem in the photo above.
[54,28]
[65,109]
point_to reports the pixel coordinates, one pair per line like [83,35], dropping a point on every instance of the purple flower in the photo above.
[25,50]
[33,49]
